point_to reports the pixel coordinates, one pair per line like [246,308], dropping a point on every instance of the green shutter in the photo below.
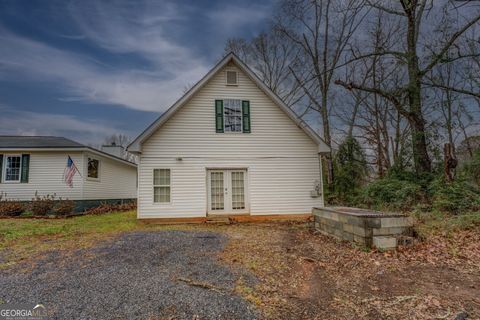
[1,167]
[25,168]
[219,116]
[246,116]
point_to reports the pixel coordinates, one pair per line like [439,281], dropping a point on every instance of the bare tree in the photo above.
[270,54]
[321,30]
[374,118]
[118,139]
[408,96]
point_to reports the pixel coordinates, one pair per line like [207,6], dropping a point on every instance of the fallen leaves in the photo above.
[303,274]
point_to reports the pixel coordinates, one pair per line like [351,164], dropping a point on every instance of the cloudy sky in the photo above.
[89,69]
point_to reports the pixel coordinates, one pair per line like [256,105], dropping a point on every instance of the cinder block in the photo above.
[390,231]
[360,240]
[385,243]
[327,215]
[333,223]
[343,218]
[396,222]
[356,221]
[347,228]
[360,231]
[347,236]
[373,222]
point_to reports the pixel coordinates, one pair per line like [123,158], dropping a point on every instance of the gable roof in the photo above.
[135,146]
[50,143]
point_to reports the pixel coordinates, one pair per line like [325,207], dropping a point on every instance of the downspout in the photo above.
[321,176]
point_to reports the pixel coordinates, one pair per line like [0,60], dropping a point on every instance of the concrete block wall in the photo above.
[360,228]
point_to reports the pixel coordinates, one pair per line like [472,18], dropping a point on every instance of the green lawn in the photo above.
[17,229]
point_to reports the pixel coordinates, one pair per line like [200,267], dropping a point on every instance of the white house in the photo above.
[38,164]
[228,146]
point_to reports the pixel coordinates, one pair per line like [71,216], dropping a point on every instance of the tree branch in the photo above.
[387,95]
[387,10]
[438,57]
[458,90]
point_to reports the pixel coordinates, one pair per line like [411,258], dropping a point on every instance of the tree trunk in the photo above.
[450,162]
[419,144]
[328,141]
[416,119]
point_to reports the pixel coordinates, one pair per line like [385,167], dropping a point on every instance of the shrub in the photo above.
[64,207]
[391,193]
[350,170]
[106,208]
[10,207]
[42,205]
[471,169]
[454,197]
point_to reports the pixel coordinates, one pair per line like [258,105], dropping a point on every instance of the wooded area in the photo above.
[393,87]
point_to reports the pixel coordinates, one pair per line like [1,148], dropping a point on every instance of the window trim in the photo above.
[98,169]
[162,185]
[241,118]
[236,78]
[4,169]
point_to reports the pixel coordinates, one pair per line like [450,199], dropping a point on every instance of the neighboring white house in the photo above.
[228,146]
[37,164]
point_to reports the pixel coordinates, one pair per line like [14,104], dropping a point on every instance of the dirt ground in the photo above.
[306,275]
[275,271]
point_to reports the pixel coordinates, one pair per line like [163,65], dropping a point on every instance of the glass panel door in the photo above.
[217,195]
[238,190]
[227,191]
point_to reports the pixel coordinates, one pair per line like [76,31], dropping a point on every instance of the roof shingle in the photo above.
[37,142]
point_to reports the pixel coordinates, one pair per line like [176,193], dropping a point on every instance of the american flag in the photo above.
[69,172]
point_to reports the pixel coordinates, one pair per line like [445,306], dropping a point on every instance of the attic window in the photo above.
[232,78]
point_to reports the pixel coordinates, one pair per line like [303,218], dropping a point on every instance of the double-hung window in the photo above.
[13,165]
[161,185]
[232,115]
[232,111]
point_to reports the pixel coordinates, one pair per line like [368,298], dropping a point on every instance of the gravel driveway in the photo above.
[136,276]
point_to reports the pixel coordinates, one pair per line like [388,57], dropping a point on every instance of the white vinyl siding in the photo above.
[46,171]
[46,176]
[282,161]
[115,180]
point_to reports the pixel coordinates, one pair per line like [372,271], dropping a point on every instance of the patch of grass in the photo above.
[23,238]
[436,222]
[16,229]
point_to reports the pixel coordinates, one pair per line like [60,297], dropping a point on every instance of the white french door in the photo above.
[227,191]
